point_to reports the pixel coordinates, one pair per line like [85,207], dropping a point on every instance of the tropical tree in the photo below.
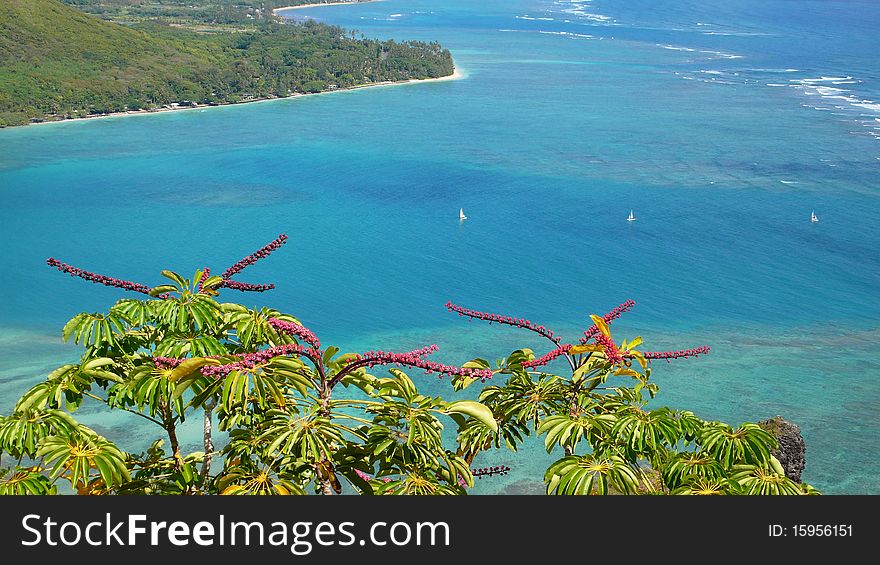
[290,428]
[598,418]
[268,380]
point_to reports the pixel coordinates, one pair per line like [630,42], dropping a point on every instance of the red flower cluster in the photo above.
[490,471]
[245,287]
[248,360]
[681,354]
[414,359]
[611,351]
[262,253]
[296,330]
[519,323]
[169,362]
[613,315]
[205,275]
[99,279]
[251,360]
[547,357]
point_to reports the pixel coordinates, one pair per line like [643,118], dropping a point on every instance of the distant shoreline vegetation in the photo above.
[58,63]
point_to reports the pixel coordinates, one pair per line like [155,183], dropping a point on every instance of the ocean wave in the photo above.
[772,70]
[674,48]
[821,79]
[567,33]
[589,16]
[547,32]
[843,102]
[716,54]
[530,18]
[736,33]
[723,55]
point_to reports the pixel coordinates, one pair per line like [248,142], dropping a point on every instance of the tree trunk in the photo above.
[172,437]
[327,487]
[209,443]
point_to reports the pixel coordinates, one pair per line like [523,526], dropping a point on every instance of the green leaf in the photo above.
[477,364]
[474,410]
[601,324]
[189,367]
[329,353]
[178,280]
[162,289]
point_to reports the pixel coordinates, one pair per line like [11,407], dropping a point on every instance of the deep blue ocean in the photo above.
[721,124]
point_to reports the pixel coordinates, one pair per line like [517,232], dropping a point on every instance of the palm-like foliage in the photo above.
[25,481]
[601,410]
[591,474]
[749,443]
[291,428]
[79,454]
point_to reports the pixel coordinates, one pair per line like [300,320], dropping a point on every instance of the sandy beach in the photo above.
[320,4]
[457,74]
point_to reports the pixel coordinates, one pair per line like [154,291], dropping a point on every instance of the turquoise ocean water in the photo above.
[721,124]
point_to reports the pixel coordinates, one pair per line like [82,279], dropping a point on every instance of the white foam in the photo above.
[735,33]
[563,33]
[566,33]
[674,48]
[773,70]
[723,55]
[869,105]
[589,16]
[789,182]
[773,84]
[828,91]
[821,79]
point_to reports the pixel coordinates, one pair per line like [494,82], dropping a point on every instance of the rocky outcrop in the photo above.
[792,452]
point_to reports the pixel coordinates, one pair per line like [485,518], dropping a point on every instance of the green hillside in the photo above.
[189,11]
[58,62]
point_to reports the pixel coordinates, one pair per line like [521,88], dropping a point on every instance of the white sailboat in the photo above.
[630,218]
[813,217]
[461,215]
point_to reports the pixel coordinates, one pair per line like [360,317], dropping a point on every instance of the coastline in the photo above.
[322,4]
[456,74]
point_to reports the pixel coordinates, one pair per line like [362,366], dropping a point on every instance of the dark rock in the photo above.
[792,452]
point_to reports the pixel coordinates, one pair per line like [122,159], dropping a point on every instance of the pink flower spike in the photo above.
[507,320]
[683,354]
[490,471]
[610,349]
[296,330]
[100,279]
[262,253]
[547,357]
[414,359]
[205,275]
[609,317]
[245,287]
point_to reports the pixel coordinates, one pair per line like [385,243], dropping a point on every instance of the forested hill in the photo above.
[58,62]
[204,11]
